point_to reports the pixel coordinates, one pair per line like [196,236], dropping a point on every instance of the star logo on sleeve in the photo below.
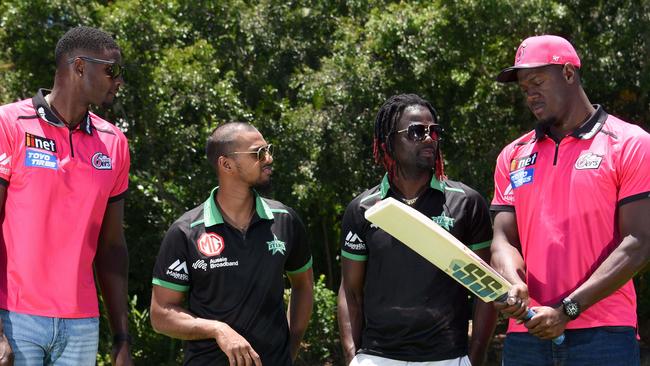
[276,246]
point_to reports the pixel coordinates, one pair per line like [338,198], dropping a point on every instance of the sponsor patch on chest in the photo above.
[588,160]
[39,142]
[521,177]
[101,161]
[210,244]
[40,159]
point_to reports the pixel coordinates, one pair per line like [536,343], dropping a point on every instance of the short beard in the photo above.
[264,188]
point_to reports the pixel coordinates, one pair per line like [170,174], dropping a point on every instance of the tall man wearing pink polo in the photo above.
[571,204]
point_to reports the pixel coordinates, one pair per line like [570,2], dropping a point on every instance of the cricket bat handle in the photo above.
[557,340]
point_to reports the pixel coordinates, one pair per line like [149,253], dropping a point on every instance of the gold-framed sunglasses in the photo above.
[262,153]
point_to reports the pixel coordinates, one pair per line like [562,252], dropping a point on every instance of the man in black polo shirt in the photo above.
[394,306]
[228,255]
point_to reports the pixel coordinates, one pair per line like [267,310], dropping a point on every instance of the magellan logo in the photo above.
[5,160]
[101,161]
[178,270]
[353,241]
[39,142]
[588,161]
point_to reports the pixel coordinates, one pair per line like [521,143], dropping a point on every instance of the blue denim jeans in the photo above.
[601,346]
[39,340]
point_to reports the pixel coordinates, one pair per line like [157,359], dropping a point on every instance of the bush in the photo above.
[321,345]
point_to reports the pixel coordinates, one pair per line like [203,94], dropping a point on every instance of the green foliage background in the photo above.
[311,76]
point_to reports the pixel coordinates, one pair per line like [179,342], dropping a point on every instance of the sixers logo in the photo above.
[101,161]
[210,244]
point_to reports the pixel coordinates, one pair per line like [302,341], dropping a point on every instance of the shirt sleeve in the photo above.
[299,259]
[353,241]
[480,231]
[634,169]
[122,182]
[504,198]
[171,267]
[6,149]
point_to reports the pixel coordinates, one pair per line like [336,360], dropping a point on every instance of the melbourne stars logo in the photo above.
[444,221]
[276,246]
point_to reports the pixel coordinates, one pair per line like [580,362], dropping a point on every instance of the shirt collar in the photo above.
[45,112]
[588,130]
[212,216]
[384,187]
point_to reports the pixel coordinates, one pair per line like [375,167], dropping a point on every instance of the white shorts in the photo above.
[369,360]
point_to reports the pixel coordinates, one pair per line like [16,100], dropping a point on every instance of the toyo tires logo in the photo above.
[474,278]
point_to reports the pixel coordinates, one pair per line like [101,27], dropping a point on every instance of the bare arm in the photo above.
[507,260]
[170,318]
[6,353]
[112,266]
[631,256]
[483,323]
[350,306]
[300,307]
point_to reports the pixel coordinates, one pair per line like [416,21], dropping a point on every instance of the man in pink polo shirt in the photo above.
[63,177]
[571,229]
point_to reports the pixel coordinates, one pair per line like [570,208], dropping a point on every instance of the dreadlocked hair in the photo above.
[385,124]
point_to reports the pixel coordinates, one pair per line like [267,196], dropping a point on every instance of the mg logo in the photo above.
[210,244]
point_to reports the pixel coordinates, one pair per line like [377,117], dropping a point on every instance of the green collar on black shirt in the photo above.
[385,185]
[212,216]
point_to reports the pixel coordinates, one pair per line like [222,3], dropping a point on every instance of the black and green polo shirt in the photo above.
[235,277]
[412,310]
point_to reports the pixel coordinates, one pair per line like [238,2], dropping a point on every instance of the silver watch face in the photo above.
[571,309]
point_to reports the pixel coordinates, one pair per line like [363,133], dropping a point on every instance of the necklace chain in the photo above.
[411,201]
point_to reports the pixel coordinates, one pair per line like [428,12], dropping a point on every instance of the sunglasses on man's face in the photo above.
[262,153]
[114,70]
[420,131]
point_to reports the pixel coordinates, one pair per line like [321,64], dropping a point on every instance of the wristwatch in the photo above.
[571,308]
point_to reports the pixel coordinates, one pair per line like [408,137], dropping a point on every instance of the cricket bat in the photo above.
[442,249]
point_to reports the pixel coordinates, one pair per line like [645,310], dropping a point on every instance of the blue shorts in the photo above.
[601,346]
[39,340]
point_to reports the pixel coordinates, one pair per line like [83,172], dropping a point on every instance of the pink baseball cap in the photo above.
[540,51]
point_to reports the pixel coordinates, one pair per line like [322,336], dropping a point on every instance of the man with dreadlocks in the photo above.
[394,306]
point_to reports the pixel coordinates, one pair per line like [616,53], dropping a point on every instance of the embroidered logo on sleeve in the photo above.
[178,270]
[588,160]
[354,242]
[5,163]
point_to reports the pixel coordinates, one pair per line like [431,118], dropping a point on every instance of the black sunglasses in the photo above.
[114,71]
[262,153]
[420,131]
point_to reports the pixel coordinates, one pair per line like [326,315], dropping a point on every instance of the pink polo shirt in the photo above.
[58,184]
[565,197]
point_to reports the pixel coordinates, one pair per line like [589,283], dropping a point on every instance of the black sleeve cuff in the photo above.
[4,182]
[633,198]
[499,208]
[118,197]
